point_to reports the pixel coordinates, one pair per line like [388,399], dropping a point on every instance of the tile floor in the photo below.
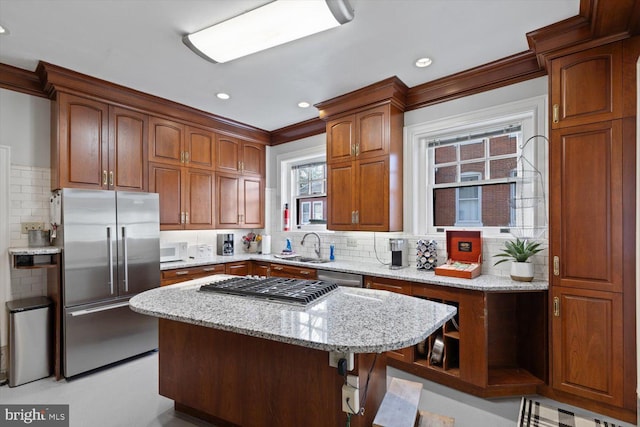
[126,395]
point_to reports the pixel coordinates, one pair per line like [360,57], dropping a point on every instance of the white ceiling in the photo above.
[137,43]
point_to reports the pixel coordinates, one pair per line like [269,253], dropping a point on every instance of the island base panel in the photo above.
[225,377]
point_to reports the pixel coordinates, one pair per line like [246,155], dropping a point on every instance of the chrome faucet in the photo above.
[316,246]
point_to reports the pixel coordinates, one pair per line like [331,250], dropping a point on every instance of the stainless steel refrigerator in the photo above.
[111,251]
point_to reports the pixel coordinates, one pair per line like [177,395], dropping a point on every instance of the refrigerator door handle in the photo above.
[126,259]
[110,255]
[98,309]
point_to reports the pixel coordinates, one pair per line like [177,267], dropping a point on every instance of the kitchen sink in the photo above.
[311,259]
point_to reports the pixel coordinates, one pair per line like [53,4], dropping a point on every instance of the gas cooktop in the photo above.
[293,291]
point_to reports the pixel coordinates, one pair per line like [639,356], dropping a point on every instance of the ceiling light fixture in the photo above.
[423,62]
[223,95]
[3,30]
[304,104]
[271,25]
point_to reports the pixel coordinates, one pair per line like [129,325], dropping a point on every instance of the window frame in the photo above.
[418,208]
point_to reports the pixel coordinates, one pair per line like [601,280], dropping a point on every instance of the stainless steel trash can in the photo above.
[30,339]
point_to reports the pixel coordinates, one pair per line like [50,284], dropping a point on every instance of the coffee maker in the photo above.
[399,253]
[225,244]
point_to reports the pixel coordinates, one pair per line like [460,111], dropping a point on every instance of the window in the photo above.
[464,171]
[310,180]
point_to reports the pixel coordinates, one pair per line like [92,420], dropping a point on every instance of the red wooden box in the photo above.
[464,249]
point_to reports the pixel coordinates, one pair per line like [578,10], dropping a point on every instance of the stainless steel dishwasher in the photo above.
[341,279]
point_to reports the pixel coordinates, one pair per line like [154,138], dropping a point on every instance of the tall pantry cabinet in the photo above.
[592,231]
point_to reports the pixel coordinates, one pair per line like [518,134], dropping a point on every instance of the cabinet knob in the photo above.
[556,113]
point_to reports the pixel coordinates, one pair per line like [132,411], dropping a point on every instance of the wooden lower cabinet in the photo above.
[169,277]
[239,268]
[292,271]
[261,269]
[494,346]
[586,352]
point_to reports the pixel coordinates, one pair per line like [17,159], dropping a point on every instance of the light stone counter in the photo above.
[485,283]
[348,320]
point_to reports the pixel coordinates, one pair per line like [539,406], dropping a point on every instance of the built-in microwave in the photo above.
[173,251]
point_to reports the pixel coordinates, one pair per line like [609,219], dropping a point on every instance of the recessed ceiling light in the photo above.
[304,104]
[3,30]
[423,62]
[223,95]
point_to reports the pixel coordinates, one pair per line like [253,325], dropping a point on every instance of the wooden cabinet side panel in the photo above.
[199,197]
[474,357]
[128,143]
[586,219]
[83,127]
[587,345]
[166,180]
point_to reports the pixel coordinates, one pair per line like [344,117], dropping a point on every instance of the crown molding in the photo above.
[311,127]
[20,80]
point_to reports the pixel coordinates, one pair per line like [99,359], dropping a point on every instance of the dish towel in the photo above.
[536,414]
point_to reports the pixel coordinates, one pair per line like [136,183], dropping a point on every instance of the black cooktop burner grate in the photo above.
[295,291]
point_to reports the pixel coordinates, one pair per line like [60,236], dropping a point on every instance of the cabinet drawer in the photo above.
[281,270]
[192,272]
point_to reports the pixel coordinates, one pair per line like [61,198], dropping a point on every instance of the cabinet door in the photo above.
[166,180]
[340,139]
[587,345]
[240,268]
[198,199]
[372,135]
[398,287]
[340,196]
[83,142]
[372,194]
[199,148]
[586,207]
[227,200]
[227,154]
[260,269]
[252,203]
[253,159]
[166,141]
[127,149]
[586,87]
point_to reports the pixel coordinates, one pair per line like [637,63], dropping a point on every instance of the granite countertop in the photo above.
[484,282]
[44,250]
[348,320]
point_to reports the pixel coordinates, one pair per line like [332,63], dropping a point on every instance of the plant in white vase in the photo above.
[518,253]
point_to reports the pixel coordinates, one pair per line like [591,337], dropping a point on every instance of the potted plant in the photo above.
[519,252]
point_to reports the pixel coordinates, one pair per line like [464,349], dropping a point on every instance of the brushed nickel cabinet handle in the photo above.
[186,217]
[209,269]
[305,273]
[104,177]
[182,273]
[353,149]
[556,113]
[278,268]
[357,217]
[182,157]
[556,266]
[186,157]
[357,149]
[110,178]
[556,306]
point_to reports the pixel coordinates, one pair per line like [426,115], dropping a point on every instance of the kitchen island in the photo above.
[239,361]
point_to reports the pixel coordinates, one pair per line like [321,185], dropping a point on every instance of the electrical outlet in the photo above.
[26,226]
[351,242]
[351,395]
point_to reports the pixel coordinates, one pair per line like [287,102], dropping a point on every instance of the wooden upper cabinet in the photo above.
[586,87]
[80,152]
[127,149]
[586,200]
[166,141]
[234,155]
[199,149]
[98,146]
[587,340]
[340,139]
[239,201]
[167,181]
[364,170]
[198,200]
